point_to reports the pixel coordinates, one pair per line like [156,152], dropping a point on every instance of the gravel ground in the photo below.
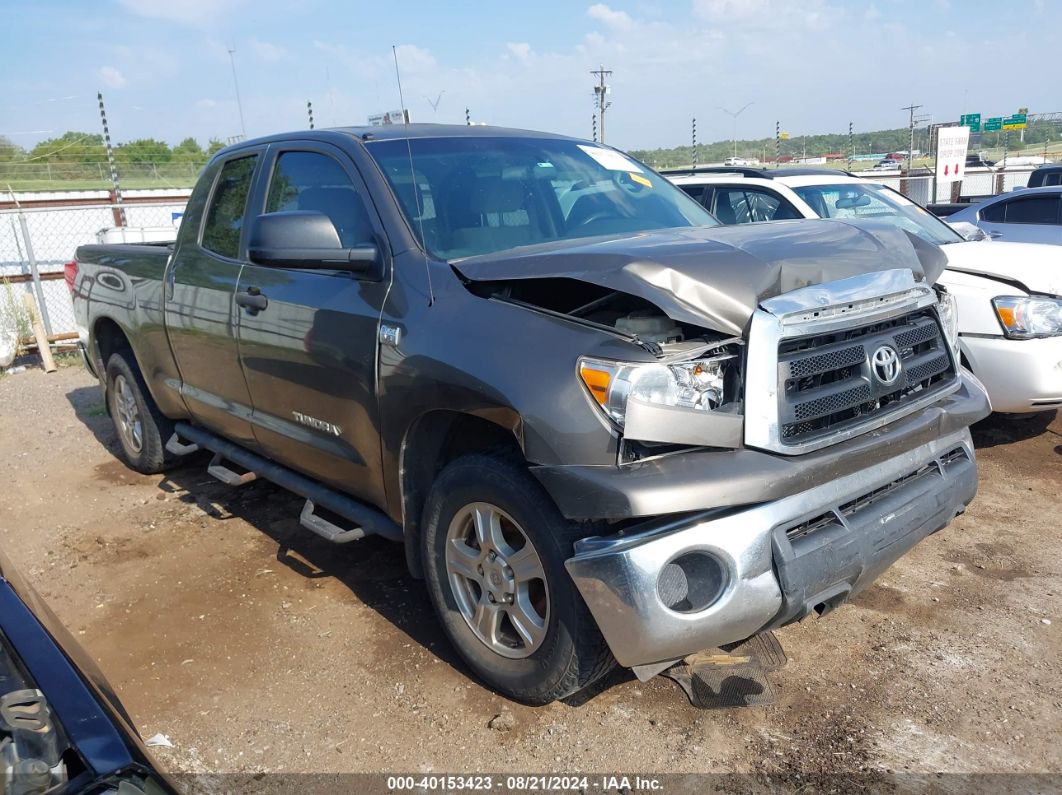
[254,646]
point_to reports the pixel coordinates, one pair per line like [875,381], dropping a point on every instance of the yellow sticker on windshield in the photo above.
[641,180]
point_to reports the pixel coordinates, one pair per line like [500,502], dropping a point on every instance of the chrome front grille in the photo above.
[829,382]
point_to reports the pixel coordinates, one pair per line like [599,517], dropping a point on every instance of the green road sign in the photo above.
[971,120]
[1015,122]
[995,123]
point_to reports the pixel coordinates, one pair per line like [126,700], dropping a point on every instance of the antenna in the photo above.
[413,175]
[236,84]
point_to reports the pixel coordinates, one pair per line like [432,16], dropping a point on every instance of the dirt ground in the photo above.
[254,646]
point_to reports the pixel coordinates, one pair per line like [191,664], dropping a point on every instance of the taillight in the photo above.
[70,274]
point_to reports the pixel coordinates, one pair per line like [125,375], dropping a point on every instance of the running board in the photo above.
[326,529]
[177,447]
[218,470]
[365,519]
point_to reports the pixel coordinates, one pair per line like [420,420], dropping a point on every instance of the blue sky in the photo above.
[163,65]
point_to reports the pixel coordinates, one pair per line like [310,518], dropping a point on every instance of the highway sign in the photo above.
[995,123]
[971,120]
[1015,122]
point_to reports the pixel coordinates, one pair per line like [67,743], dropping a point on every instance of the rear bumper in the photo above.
[779,560]
[1019,375]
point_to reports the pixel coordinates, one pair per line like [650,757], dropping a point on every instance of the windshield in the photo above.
[853,200]
[481,195]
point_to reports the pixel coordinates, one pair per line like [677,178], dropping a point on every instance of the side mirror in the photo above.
[305,239]
[969,231]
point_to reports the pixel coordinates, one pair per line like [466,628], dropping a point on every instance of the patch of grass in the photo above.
[67,359]
[96,410]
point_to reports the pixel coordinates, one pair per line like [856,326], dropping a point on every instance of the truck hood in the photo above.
[1037,266]
[715,277]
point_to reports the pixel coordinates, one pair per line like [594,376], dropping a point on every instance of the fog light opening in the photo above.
[691,582]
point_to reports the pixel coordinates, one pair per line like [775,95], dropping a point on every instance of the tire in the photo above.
[141,428]
[540,645]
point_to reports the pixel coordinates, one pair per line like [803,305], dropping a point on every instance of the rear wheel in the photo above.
[141,427]
[494,547]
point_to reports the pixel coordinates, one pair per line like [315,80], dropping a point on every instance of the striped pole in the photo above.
[110,162]
[694,141]
[777,143]
[309,112]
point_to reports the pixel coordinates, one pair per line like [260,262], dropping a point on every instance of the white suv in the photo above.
[1009,295]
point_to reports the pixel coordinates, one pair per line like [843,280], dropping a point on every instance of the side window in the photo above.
[1054,179]
[766,206]
[730,206]
[995,214]
[1037,210]
[313,181]
[224,218]
[695,192]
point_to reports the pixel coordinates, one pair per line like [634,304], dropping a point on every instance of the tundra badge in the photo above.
[313,422]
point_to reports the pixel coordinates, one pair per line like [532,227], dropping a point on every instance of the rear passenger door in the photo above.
[310,354]
[1024,219]
[200,314]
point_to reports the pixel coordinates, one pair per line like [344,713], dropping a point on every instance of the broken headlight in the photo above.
[698,384]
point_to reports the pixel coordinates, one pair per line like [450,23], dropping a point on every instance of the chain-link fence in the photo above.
[975,185]
[36,241]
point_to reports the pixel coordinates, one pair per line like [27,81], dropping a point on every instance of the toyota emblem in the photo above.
[886,364]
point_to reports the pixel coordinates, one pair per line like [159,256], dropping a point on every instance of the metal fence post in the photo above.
[37,288]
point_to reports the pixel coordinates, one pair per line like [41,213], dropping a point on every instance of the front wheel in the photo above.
[494,547]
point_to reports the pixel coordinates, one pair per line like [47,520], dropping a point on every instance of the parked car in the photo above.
[1031,215]
[62,729]
[1009,295]
[978,160]
[887,165]
[604,427]
[1047,174]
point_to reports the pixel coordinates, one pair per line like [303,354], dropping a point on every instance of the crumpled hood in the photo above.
[1038,266]
[716,276]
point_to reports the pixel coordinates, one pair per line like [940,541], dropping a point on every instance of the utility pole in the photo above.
[309,112]
[236,84]
[600,90]
[695,142]
[110,162]
[913,121]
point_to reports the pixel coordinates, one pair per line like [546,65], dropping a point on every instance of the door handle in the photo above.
[252,300]
[994,234]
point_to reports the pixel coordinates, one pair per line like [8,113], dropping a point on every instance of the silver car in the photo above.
[1032,215]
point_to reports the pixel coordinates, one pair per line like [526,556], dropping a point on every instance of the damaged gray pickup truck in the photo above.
[604,427]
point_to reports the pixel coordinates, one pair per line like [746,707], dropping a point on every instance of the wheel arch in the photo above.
[435,439]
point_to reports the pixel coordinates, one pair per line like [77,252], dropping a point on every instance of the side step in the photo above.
[218,470]
[326,529]
[177,447]
[365,519]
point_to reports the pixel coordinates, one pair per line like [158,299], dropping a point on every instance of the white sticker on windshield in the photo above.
[611,159]
[899,198]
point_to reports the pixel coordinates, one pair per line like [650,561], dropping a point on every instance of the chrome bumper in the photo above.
[782,559]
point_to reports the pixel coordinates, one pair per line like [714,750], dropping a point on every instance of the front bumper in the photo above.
[1019,375]
[782,559]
